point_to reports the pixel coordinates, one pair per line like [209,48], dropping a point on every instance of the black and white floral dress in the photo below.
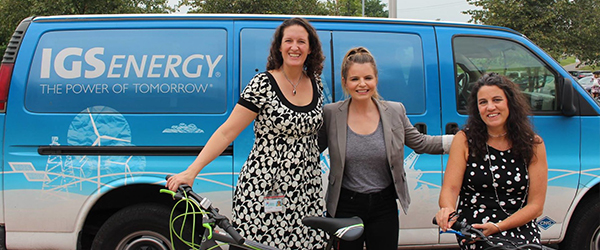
[284,159]
[494,187]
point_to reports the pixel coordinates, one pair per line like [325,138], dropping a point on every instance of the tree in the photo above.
[297,7]
[13,11]
[542,21]
[560,27]
[582,35]
[373,8]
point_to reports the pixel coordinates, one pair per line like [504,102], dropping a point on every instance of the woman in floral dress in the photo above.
[280,183]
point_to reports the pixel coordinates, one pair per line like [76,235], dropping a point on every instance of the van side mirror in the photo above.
[567,97]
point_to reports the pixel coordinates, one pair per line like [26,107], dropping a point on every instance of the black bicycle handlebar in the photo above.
[221,220]
[455,226]
[466,231]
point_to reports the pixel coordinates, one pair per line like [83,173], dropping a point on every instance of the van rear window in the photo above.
[130,71]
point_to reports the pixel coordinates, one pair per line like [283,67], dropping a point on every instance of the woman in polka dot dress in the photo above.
[280,183]
[497,169]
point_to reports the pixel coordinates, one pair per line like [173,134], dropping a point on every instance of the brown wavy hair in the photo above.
[314,61]
[358,55]
[518,126]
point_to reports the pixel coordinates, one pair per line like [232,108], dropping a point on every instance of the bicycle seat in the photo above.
[344,228]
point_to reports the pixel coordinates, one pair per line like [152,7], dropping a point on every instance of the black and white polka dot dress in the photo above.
[285,159]
[480,202]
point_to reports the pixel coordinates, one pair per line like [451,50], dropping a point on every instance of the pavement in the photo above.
[572,67]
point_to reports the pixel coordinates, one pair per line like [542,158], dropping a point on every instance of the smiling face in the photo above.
[294,46]
[493,107]
[361,81]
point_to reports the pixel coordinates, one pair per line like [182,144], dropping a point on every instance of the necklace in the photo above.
[497,136]
[293,85]
[494,184]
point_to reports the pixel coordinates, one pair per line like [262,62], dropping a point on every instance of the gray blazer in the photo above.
[397,132]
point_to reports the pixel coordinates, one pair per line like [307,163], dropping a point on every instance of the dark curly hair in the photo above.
[314,61]
[518,126]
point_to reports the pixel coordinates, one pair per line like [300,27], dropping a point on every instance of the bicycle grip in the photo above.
[456,226]
[232,232]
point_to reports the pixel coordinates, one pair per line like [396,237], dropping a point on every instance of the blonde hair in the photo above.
[357,55]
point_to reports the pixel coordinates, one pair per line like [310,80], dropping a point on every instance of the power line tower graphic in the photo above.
[55,172]
[413,175]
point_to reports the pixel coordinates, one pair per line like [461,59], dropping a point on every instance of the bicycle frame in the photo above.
[213,238]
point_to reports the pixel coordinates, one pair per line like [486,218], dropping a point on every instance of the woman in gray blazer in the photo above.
[366,138]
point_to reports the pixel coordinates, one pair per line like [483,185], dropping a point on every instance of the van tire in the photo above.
[142,226]
[583,231]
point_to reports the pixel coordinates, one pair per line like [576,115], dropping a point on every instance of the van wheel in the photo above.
[139,227]
[583,231]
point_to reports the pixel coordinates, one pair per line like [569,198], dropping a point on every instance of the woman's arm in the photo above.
[453,178]
[239,119]
[323,140]
[421,143]
[536,196]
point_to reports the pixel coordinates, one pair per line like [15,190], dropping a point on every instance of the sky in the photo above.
[443,10]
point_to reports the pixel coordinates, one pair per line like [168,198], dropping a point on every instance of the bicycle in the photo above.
[212,238]
[465,231]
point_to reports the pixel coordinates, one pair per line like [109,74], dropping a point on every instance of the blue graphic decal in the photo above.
[546,222]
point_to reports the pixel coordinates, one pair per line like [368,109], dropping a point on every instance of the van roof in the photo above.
[255,17]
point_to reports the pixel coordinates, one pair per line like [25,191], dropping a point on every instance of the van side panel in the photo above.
[153,88]
[590,146]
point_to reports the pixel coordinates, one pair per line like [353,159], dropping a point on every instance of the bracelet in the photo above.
[496,225]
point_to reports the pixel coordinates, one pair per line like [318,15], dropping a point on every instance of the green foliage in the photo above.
[13,11]
[373,8]
[540,20]
[294,7]
[560,27]
[583,39]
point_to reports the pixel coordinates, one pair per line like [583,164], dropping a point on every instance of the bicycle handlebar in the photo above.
[466,231]
[220,220]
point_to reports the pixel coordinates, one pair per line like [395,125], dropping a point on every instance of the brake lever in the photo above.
[175,195]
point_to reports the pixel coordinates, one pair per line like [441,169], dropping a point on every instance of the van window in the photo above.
[399,58]
[131,71]
[254,51]
[475,56]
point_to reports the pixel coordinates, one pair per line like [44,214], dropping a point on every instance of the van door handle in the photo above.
[422,127]
[451,128]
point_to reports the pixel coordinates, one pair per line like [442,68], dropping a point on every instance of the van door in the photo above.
[406,60]
[466,54]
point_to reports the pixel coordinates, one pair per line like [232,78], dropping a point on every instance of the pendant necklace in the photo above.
[495,185]
[288,79]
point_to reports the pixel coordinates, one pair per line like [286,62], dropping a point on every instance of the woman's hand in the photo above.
[445,218]
[185,177]
[487,228]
